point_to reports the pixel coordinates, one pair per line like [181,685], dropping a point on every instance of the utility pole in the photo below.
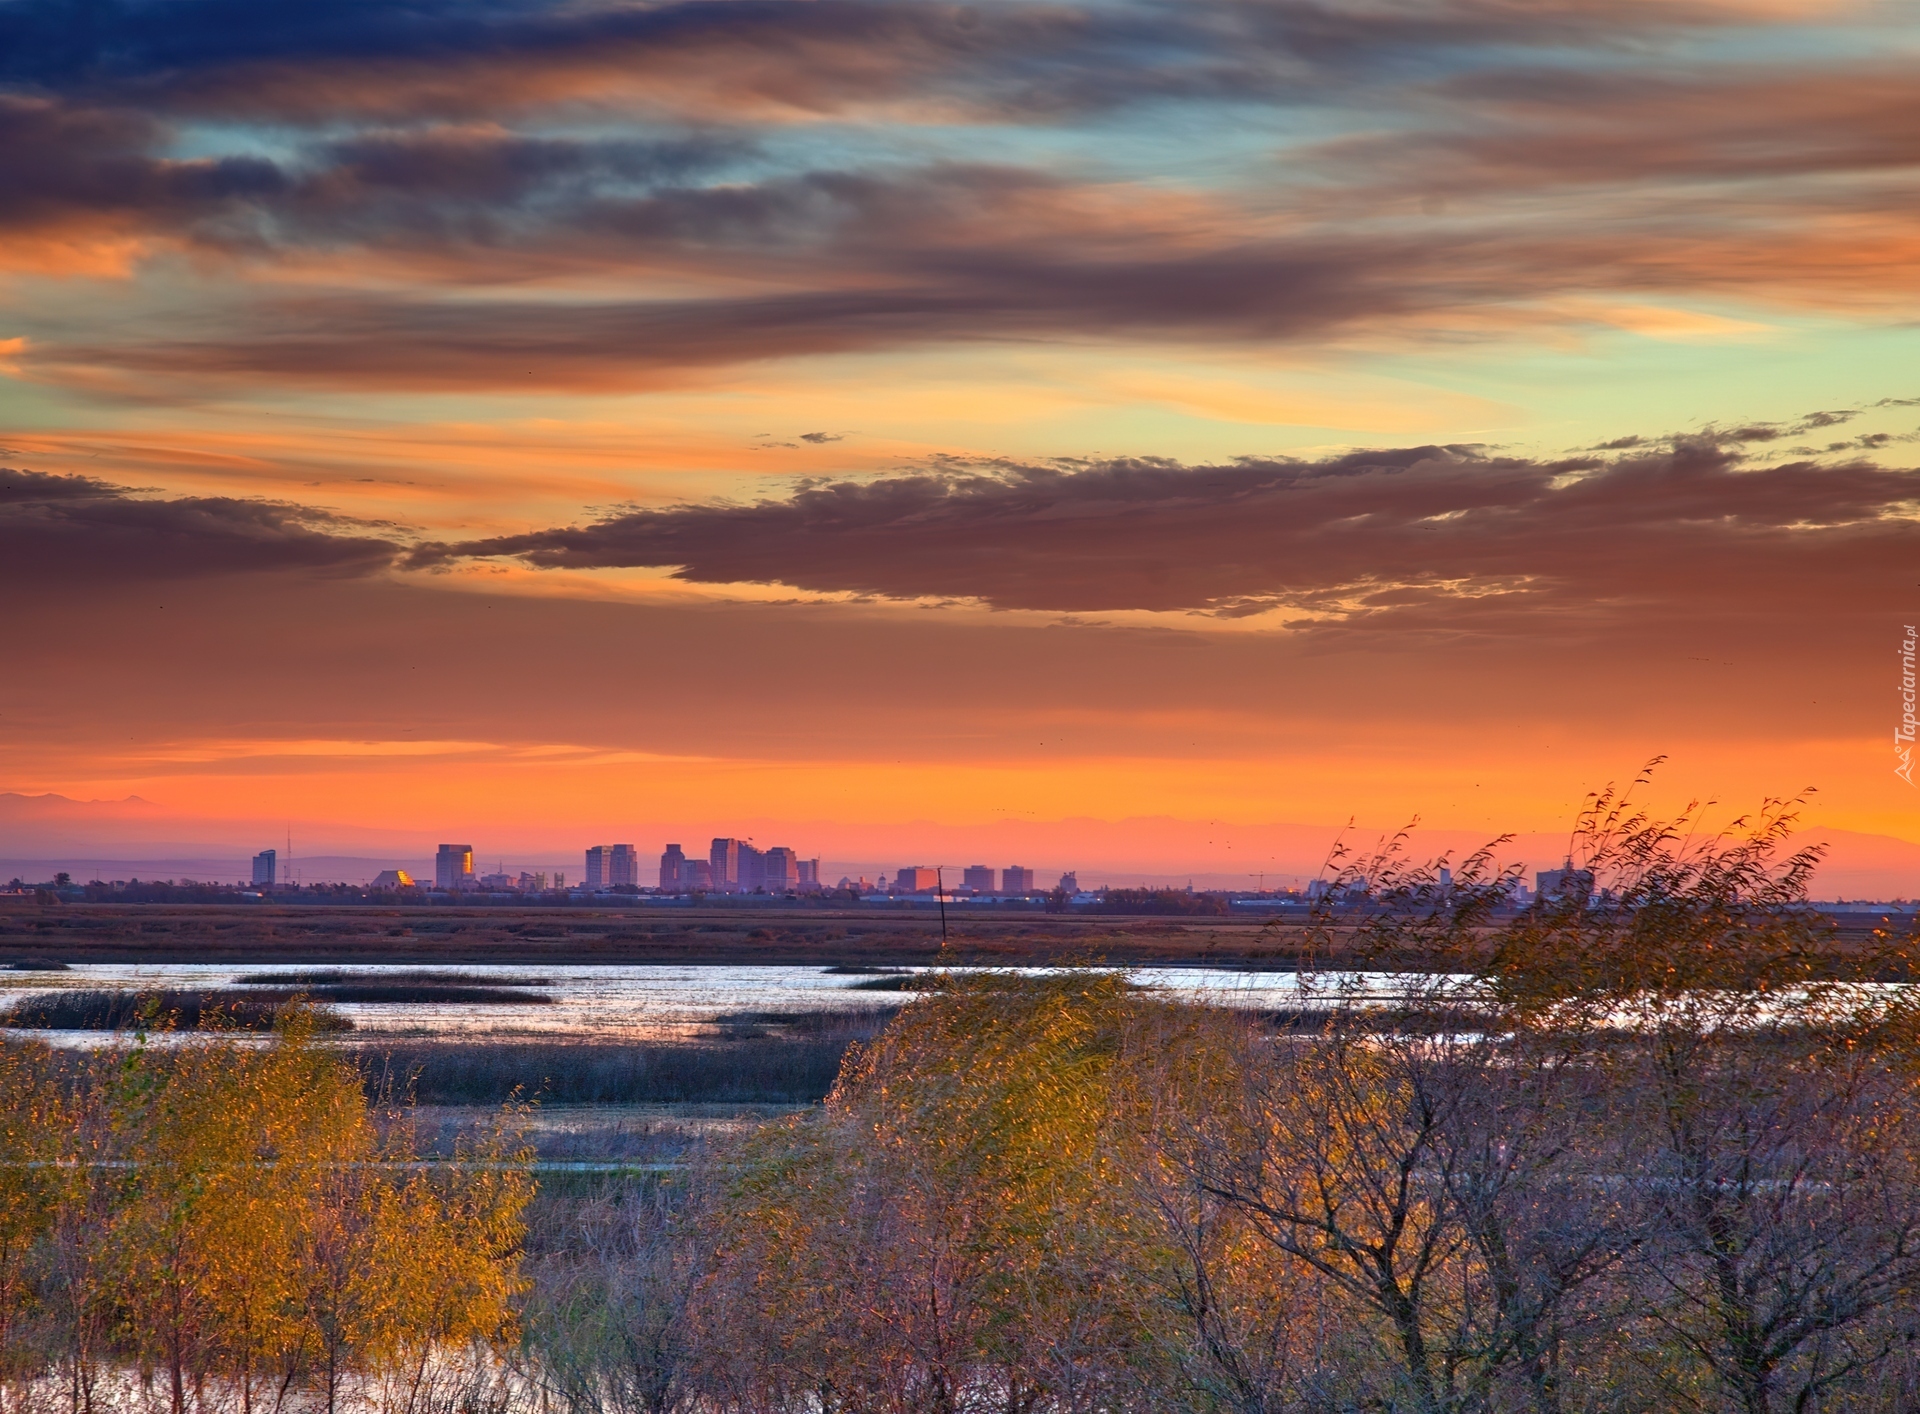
[940,892]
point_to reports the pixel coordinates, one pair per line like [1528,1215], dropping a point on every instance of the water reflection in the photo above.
[653,1001]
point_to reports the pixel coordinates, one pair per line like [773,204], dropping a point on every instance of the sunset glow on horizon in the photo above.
[539,423]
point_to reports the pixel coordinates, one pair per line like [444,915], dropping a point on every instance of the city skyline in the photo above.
[110,842]
[1014,884]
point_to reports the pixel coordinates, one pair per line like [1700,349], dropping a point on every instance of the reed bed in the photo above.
[218,1009]
[420,977]
[764,1062]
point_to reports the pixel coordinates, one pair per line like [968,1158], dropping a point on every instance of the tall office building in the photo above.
[673,870]
[725,861]
[611,866]
[1566,882]
[736,867]
[979,878]
[1015,880]
[453,866]
[915,881]
[782,870]
[696,876]
[263,865]
[808,875]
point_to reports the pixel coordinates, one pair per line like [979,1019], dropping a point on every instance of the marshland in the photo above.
[1653,1147]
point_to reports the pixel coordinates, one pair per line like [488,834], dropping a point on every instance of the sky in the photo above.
[962,424]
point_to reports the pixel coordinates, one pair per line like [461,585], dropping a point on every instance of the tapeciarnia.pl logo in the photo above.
[1903,734]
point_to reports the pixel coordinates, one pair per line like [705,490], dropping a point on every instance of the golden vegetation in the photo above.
[212,1219]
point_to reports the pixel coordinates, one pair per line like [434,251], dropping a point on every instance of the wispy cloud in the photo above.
[723,60]
[592,197]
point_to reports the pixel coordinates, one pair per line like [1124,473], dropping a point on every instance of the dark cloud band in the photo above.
[74,531]
[1415,534]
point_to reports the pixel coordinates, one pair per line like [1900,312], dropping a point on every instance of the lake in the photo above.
[648,1001]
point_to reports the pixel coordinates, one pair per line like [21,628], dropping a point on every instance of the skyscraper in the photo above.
[1015,880]
[599,866]
[917,880]
[979,878]
[725,859]
[782,870]
[752,870]
[263,866]
[1566,882]
[809,875]
[453,866]
[696,876]
[623,867]
[673,870]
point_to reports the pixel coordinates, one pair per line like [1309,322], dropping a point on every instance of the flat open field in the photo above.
[438,935]
[877,936]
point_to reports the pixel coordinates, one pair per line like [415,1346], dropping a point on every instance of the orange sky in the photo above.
[538,424]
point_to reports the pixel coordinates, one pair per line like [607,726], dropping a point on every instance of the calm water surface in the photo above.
[654,1000]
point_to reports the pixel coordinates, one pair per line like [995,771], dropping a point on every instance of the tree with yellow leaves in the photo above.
[234,1217]
[35,1121]
[960,1219]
